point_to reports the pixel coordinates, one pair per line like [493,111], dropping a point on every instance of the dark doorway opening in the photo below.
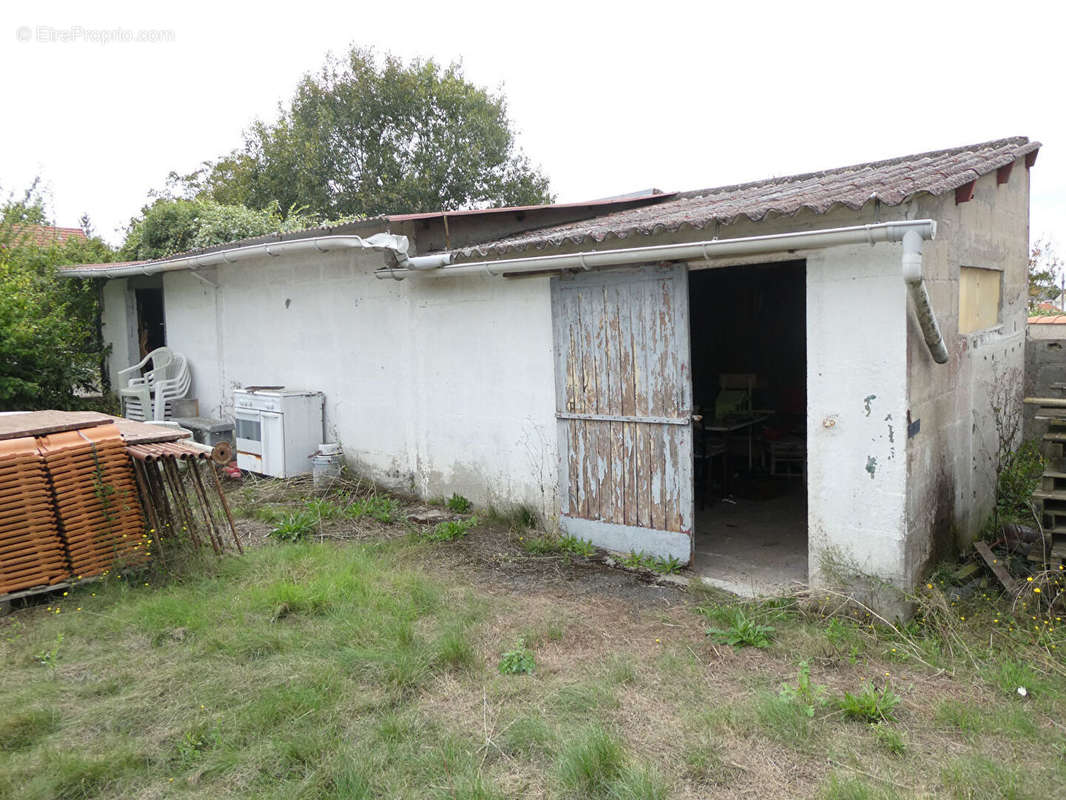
[151,327]
[749,379]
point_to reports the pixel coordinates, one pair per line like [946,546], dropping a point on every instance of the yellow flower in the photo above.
[1030,579]
[1036,590]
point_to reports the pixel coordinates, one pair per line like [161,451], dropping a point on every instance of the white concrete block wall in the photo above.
[856,411]
[431,386]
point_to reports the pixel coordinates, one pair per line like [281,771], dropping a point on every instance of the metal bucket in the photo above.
[326,468]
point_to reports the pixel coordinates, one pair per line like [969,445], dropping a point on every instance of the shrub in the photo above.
[1018,478]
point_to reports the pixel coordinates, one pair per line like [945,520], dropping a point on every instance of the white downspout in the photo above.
[912,274]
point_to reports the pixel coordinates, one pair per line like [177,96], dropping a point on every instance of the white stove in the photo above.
[277,429]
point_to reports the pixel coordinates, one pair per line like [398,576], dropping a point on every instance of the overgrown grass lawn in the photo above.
[394,669]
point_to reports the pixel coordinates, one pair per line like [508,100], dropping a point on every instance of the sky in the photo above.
[607,98]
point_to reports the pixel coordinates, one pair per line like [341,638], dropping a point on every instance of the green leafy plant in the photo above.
[383,509]
[1019,476]
[50,344]
[869,704]
[541,545]
[323,508]
[451,530]
[48,657]
[890,739]
[576,546]
[807,694]
[519,661]
[668,565]
[296,527]
[741,630]
[458,504]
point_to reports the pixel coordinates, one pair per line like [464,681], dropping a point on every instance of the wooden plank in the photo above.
[629,462]
[41,423]
[134,432]
[996,565]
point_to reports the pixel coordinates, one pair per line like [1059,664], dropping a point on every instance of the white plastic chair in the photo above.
[168,389]
[148,395]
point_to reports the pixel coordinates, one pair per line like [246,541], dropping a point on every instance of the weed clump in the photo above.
[740,630]
[668,565]
[869,704]
[451,530]
[296,527]
[458,504]
[519,661]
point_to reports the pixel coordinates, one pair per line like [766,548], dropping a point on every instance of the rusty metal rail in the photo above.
[165,494]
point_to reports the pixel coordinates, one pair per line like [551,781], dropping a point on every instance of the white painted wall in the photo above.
[856,412]
[116,319]
[431,386]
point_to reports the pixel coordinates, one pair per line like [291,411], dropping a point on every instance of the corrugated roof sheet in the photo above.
[891,182]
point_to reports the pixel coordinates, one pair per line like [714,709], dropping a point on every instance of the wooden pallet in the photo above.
[1050,497]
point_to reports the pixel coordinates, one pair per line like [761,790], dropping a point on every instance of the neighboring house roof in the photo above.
[891,182]
[45,235]
[1048,319]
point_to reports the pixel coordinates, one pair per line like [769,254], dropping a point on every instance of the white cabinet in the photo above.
[277,429]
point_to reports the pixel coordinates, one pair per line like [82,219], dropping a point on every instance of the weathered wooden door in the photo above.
[624,405]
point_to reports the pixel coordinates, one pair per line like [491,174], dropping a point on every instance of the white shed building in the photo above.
[555,356]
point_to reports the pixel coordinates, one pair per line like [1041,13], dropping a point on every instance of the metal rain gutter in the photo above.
[910,232]
[387,242]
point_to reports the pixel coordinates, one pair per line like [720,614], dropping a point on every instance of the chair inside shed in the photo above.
[749,379]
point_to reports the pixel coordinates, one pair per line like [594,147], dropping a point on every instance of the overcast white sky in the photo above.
[607,97]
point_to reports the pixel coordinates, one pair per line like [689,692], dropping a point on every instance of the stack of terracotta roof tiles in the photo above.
[31,553]
[95,496]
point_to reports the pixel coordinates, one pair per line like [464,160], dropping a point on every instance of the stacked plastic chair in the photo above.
[31,553]
[96,501]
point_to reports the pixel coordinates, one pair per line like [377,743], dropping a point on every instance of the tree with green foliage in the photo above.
[368,136]
[50,343]
[1045,270]
[172,225]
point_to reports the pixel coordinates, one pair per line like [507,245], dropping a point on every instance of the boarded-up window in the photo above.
[978,298]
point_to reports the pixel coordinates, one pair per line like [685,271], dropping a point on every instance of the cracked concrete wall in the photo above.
[953,441]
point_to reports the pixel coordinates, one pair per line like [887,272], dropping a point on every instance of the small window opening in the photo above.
[979,298]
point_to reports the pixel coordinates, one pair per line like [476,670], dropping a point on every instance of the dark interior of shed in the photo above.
[749,374]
